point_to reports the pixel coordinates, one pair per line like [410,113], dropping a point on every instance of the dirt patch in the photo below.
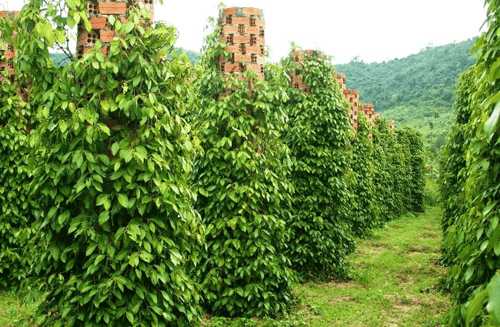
[415,249]
[343,298]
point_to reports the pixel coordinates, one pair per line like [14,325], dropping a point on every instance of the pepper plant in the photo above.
[16,204]
[319,137]
[245,195]
[112,160]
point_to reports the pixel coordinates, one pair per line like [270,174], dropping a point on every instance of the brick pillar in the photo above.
[298,57]
[369,112]
[341,81]
[243,31]
[353,97]
[7,55]
[101,28]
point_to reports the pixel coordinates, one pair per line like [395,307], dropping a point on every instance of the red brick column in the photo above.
[341,81]
[7,55]
[243,31]
[353,97]
[298,57]
[101,28]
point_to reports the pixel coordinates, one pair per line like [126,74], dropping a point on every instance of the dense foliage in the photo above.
[472,236]
[245,192]
[416,91]
[453,172]
[319,139]
[149,191]
[16,203]
[364,212]
[111,175]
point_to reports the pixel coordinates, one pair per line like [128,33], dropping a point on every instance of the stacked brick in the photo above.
[341,81]
[298,57]
[7,52]
[101,28]
[243,31]
[353,97]
[369,112]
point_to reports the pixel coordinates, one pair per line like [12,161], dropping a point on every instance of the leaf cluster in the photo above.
[472,232]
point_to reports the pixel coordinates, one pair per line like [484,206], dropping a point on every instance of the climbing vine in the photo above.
[319,137]
[244,190]
[472,237]
[112,160]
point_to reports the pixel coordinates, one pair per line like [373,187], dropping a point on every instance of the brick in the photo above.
[230,30]
[233,48]
[87,38]
[261,41]
[252,30]
[241,39]
[9,54]
[229,11]
[98,22]
[241,21]
[256,68]
[232,68]
[107,36]
[253,49]
[4,64]
[251,11]
[112,8]
[260,23]
[241,58]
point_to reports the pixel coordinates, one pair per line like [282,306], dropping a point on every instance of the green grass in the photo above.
[11,310]
[395,283]
[395,280]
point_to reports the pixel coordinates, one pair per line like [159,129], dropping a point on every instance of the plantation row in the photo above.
[148,191]
[470,185]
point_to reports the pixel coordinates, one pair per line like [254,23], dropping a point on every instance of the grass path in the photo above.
[395,280]
[395,284]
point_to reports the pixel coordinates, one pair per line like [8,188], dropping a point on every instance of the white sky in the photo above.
[374,30]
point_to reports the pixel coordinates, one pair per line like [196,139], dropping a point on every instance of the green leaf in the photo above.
[123,200]
[130,317]
[103,217]
[491,125]
[493,289]
[475,306]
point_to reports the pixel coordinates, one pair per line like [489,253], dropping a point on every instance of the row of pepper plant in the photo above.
[140,190]
[470,185]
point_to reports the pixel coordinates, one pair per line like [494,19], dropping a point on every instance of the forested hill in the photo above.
[410,79]
[60,59]
[416,91]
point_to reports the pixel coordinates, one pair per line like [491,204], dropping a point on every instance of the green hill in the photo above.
[61,59]
[416,91]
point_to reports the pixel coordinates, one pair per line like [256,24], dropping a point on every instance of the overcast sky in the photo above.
[374,30]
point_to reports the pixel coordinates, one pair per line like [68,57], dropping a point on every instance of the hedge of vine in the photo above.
[150,192]
[364,212]
[113,158]
[17,204]
[319,137]
[472,230]
[244,192]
